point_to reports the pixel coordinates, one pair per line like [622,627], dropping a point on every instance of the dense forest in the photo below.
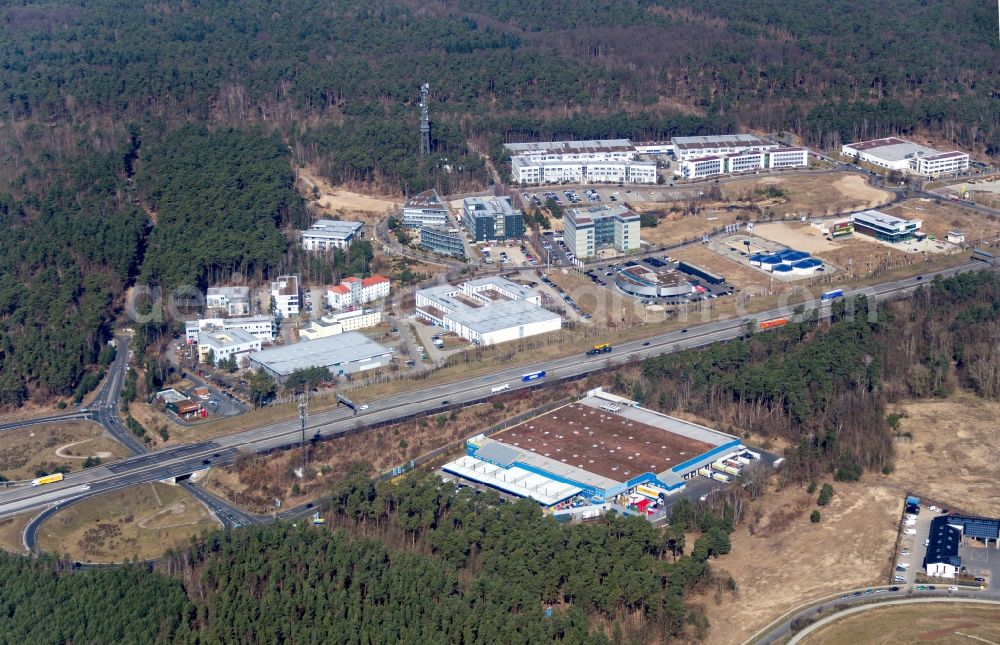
[407,562]
[823,386]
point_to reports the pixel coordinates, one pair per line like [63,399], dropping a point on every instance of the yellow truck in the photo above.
[48,479]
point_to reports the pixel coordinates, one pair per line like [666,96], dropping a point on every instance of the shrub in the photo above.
[814,517]
[825,495]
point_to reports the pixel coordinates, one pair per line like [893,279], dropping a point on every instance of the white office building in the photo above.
[425,209]
[328,234]
[487,311]
[588,230]
[355,292]
[746,161]
[592,161]
[718,145]
[904,156]
[261,327]
[230,301]
[340,323]
[220,345]
[286,297]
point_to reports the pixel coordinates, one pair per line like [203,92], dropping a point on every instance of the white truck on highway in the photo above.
[500,388]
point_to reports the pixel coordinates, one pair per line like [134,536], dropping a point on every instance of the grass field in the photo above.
[940,217]
[138,522]
[11,530]
[913,623]
[25,451]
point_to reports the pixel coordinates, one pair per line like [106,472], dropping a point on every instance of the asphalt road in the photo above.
[445,396]
[843,605]
[104,410]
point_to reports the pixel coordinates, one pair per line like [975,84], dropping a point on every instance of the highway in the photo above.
[340,421]
[94,481]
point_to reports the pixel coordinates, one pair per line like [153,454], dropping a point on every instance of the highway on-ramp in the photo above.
[182,460]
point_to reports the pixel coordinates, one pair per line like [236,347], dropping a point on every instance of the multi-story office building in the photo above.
[717,145]
[885,227]
[747,161]
[425,209]
[443,240]
[492,218]
[587,230]
[285,294]
[230,301]
[594,161]
[354,292]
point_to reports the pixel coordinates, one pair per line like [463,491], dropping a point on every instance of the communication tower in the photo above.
[425,121]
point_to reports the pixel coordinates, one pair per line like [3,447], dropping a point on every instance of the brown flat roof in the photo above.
[602,442]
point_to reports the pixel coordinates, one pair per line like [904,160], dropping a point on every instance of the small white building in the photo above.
[328,234]
[487,311]
[286,296]
[340,323]
[956,237]
[223,344]
[231,301]
[893,153]
[355,292]
[261,327]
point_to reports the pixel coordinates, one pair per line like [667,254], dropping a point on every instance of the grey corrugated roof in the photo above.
[349,347]
[498,453]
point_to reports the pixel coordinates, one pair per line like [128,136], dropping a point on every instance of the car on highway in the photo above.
[910,531]
[85,487]
[684,331]
[646,344]
[445,402]
[920,277]
[363,406]
[953,588]
[893,588]
[979,579]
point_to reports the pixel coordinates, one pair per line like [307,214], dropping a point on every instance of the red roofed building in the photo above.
[355,292]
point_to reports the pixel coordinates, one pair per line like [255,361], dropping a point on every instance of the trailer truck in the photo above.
[47,479]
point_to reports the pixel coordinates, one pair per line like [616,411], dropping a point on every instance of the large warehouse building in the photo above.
[487,311]
[598,449]
[588,230]
[345,353]
[908,157]
[646,283]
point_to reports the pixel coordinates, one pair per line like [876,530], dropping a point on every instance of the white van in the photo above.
[500,388]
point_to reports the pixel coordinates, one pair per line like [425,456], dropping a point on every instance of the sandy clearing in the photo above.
[334,198]
[853,544]
[797,235]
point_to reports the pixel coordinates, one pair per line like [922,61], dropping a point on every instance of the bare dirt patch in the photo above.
[939,218]
[138,522]
[334,200]
[947,458]
[736,274]
[25,451]
[678,226]
[931,622]
[787,561]
[823,194]
[800,236]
